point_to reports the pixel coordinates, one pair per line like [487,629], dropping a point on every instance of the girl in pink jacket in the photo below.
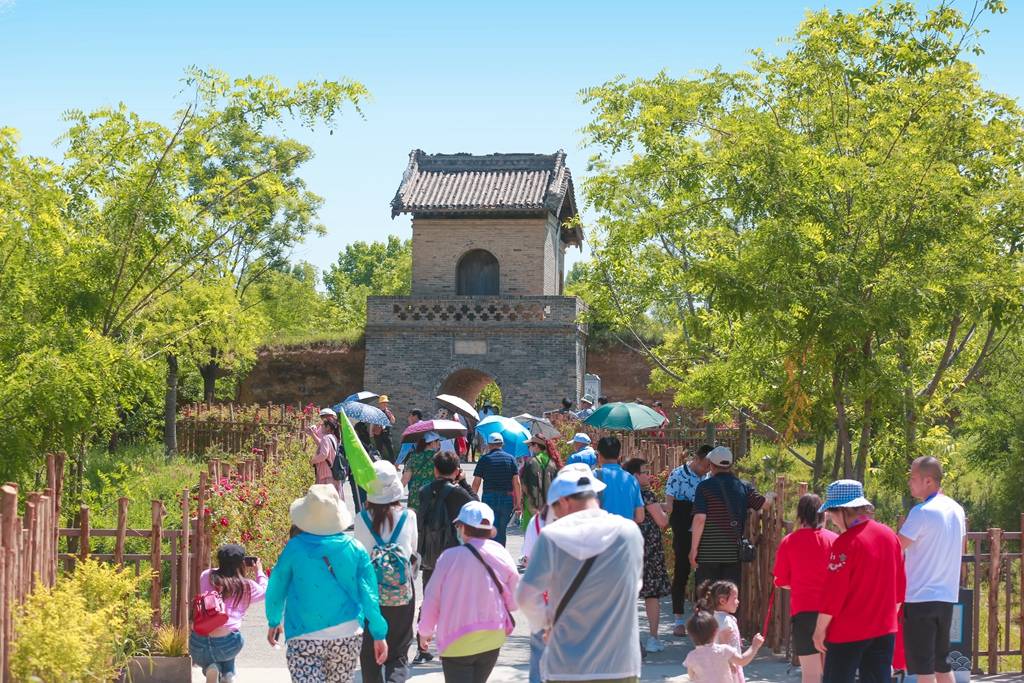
[470,598]
[327,436]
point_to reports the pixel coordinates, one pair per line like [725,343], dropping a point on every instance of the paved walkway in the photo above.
[259,663]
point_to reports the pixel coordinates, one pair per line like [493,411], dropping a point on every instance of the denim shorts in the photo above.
[221,651]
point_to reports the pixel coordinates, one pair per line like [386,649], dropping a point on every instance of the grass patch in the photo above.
[316,338]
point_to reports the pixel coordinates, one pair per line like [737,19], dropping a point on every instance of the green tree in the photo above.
[374,269]
[830,238]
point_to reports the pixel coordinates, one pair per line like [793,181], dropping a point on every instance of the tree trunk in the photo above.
[741,446]
[842,425]
[837,458]
[171,407]
[819,463]
[709,433]
[865,440]
[209,371]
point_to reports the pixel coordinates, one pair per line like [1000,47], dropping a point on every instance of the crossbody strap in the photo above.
[338,581]
[739,523]
[494,578]
[573,587]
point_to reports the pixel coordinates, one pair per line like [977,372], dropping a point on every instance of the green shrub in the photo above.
[85,629]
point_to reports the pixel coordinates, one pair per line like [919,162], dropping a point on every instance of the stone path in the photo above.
[259,663]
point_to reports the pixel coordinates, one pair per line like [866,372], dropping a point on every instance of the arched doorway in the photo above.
[469,384]
[477,274]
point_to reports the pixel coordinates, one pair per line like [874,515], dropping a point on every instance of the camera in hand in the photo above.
[250,560]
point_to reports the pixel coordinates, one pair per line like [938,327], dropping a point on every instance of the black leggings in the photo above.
[682,518]
[471,669]
[396,667]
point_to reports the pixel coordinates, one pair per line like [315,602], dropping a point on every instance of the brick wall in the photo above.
[525,261]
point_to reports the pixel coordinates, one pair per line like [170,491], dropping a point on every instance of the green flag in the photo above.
[358,459]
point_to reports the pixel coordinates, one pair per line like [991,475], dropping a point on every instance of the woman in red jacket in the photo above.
[801,567]
[864,587]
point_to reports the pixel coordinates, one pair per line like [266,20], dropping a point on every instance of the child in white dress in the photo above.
[722,598]
[711,661]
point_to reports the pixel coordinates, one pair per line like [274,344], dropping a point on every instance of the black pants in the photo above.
[384,445]
[472,669]
[396,667]
[872,659]
[358,495]
[682,518]
[426,579]
[719,571]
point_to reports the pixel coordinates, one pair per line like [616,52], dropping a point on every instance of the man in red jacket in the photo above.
[864,587]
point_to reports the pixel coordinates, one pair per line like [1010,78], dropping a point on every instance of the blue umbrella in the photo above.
[515,434]
[361,412]
[361,396]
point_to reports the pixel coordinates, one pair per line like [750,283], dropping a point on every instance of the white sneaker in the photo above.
[227,678]
[654,645]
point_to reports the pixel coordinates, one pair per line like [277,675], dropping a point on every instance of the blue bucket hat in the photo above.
[845,493]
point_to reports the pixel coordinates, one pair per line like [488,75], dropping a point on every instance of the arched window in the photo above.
[477,274]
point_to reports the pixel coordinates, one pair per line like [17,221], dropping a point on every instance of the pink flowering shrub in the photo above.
[255,514]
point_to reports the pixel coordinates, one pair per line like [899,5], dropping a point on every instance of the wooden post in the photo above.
[83,538]
[184,594]
[3,610]
[802,489]
[200,535]
[8,520]
[122,528]
[32,546]
[1020,622]
[49,538]
[995,541]
[156,536]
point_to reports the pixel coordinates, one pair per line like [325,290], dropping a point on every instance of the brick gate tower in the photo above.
[488,255]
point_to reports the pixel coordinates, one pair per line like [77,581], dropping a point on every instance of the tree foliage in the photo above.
[368,269]
[146,245]
[830,238]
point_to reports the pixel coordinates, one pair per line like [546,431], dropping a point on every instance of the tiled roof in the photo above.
[495,183]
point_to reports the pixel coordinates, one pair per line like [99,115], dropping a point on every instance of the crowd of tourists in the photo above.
[862,601]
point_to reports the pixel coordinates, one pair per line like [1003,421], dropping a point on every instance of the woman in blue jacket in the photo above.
[326,589]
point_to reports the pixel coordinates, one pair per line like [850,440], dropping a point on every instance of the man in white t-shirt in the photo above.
[932,538]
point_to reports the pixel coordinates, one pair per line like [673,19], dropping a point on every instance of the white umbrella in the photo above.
[460,406]
[538,426]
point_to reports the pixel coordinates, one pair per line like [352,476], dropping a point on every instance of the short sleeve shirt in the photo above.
[622,495]
[587,456]
[726,517]
[682,483]
[497,469]
[936,527]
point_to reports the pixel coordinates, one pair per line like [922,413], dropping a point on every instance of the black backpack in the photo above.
[438,531]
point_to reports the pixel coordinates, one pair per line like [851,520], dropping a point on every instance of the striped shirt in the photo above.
[497,469]
[722,528]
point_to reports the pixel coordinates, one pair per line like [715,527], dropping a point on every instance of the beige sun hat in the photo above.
[321,511]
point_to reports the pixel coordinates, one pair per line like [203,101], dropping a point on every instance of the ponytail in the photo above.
[710,594]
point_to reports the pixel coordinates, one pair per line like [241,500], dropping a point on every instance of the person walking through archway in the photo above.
[679,491]
[932,538]
[865,584]
[801,566]
[322,589]
[581,584]
[536,473]
[497,473]
[469,602]
[390,534]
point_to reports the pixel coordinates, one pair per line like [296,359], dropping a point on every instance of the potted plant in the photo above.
[168,661]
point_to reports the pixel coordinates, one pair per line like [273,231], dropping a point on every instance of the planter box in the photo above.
[158,670]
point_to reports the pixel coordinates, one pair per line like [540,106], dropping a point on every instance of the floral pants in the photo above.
[323,661]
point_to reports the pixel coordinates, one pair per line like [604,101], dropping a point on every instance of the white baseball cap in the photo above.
[328,411]
[580,437]
[495,437]
[477,515]
[573,479]
[720,456]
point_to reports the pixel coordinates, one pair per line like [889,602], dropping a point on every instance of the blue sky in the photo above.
[444,76]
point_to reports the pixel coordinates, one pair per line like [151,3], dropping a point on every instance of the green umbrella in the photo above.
[624,416]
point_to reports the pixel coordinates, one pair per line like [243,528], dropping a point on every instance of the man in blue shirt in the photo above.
[498,472]
[622,495]
[583,452]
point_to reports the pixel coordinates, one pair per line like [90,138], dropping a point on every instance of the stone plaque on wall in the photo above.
[470,347]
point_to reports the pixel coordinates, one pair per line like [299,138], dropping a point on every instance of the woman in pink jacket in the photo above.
[470,599]
[327,436]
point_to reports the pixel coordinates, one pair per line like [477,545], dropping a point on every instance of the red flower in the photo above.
[206,512]
[223,521]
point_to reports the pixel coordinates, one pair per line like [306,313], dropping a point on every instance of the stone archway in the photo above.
[466,383]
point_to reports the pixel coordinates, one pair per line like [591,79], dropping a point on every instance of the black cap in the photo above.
[230,551]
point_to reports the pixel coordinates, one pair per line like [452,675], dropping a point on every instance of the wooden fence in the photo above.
[34,545]
[230,427]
